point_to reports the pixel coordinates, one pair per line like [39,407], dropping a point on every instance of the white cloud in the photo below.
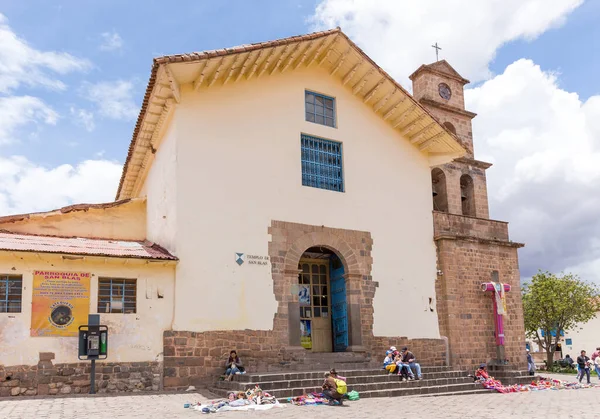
[18,111]
[83,118]
[398,34]
[545,145]
[111,41]
[113,98]
[27,187]
[22,64]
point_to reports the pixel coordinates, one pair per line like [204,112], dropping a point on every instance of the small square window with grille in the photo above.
[320,109]
[11,292]
[117,295]
[322,163]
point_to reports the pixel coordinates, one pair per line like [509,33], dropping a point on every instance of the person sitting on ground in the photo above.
[330,390]
[482,373]
[335,375]
[583,362]
[233,365]
[388,362]
[409,358]
[569,361]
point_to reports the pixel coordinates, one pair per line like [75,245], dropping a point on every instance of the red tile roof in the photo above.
[82,246]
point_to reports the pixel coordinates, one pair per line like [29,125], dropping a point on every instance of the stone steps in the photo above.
[368,382]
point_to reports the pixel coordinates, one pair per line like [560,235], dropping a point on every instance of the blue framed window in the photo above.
[11,292]
[322,163]
[320,109]
[569,341]
[117,295]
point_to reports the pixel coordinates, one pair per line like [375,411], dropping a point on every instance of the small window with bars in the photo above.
[117,295]
[322,163]
[11,293]
[319,108]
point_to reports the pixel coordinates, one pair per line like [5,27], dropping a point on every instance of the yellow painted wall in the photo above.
[122,222]
[238,168]
[132,337]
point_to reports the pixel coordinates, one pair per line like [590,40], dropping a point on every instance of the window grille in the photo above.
[117,295]
[322,163]
[320,109]
[11,292]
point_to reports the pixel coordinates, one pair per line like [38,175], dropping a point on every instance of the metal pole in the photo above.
[93,378]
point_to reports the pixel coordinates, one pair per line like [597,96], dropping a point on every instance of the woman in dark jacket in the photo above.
[233,365]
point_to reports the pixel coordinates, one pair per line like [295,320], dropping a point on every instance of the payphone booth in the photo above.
[93,345]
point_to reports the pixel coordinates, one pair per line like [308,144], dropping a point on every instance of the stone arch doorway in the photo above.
[323,301]
[290,244]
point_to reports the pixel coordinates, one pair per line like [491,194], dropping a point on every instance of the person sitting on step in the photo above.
[482,374]
[388,363]
[233,366]
[404,370]
[409,358]
[330,391]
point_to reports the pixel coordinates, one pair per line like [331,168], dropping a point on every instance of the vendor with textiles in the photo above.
[330,390]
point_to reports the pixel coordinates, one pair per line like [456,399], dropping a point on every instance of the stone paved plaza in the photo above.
[543,404]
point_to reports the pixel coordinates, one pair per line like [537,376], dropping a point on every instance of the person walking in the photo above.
[583,362]
[595,357]
[530,363]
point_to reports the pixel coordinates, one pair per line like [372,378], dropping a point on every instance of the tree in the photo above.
[553,304]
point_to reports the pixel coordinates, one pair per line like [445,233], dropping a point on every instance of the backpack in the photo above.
[341,386]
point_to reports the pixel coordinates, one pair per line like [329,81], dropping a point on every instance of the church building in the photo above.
[287,199]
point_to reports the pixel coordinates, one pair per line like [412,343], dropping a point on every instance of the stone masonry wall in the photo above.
[199,358]
[465,312]
[46,378]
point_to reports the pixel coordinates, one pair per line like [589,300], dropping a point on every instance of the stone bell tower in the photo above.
[471,248]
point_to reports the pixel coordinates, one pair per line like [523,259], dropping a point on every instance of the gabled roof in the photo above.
[331,50]
[442,68]
[82,246]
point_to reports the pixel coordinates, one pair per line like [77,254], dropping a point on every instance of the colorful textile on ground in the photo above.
[311,399]
[541,384]
[251,399]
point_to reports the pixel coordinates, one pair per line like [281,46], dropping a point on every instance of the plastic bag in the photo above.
[353,395]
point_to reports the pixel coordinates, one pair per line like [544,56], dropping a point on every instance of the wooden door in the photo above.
[315,305]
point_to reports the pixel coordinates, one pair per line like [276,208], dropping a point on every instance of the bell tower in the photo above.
[471,248]
[458,187]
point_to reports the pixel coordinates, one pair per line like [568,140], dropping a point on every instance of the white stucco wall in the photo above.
[586,338]
[160,189]
[132,337]
[238,168]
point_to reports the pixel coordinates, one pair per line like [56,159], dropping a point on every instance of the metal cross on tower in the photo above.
[437,51]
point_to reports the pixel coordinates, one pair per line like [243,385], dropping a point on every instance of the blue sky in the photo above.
[533,65]
[150,29]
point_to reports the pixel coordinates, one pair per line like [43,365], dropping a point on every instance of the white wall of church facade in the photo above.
[132,337]
[239,163]
[585,337]
[160,190]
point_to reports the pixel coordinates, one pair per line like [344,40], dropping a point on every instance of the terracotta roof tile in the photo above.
[82,246]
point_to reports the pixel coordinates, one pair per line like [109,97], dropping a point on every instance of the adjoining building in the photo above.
[276,199]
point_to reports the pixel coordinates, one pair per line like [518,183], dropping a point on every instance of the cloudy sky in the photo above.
[73,73]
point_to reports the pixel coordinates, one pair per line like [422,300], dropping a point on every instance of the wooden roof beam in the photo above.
[419,134]
[244,67]
[173,84]
[412,124]
[404,115]
[340,62]
[232,68]
[381,103]
[325,44]
[350,73]
[431,141]
[266,62]
[215,74]
[291,57]
[280,59]
[373,91]
[394,108]
[304,55]
[255,65]
[359,86]
[201,75]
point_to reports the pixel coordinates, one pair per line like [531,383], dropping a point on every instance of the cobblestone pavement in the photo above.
[543,404]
